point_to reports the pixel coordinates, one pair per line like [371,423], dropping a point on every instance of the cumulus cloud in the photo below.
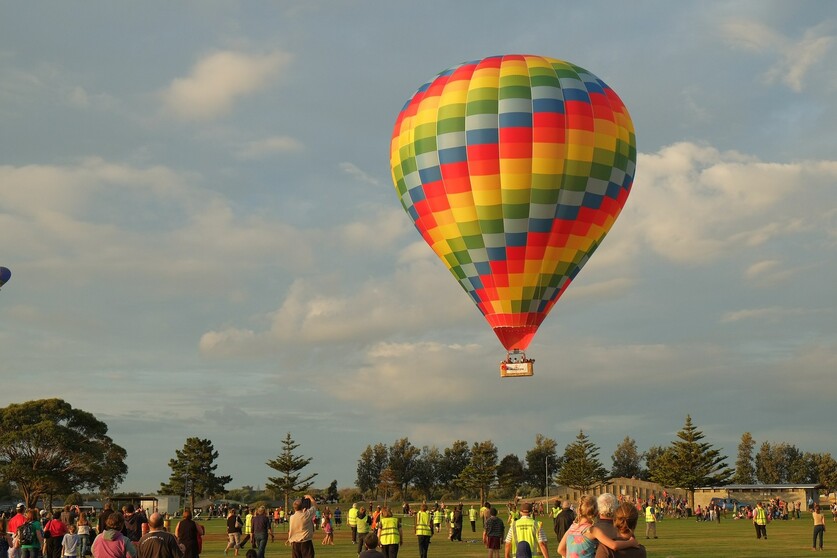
[104,219]
[693,204]
[796,57]
[218,80]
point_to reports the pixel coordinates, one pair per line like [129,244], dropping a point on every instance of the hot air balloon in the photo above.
[5,275]
[513,169]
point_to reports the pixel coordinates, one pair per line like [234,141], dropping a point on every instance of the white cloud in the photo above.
[693,204]
[796,58]
[217,81]
[355,172]
[277,145]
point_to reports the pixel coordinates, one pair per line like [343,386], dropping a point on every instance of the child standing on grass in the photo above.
[70,543]
[328,528]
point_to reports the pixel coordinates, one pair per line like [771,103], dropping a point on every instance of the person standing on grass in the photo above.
[261,530]
[158,543]
[423,530]
[362,525]
[819,526]
[389,533]
[301,528]
[351,521]
[492,535]
[472,518]
[760,521]
[525,529]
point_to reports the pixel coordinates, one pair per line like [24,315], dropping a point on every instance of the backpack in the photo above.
[25,534]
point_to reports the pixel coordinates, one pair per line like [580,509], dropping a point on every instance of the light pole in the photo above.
[546,474]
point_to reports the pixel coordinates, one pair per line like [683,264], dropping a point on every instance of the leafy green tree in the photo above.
[542,463]
[371,464]
[403,458]
[581,468]
[823,470]
[454,459]
[481,471]
[745,472]
[289,465]
[427,470]
[627,460]
[74,499]
[47,447]
[511,474]
[387,484]
[654,463]
[193,471]
[693,463]
[769,466]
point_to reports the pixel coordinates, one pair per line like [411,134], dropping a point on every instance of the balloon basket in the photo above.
[517,365]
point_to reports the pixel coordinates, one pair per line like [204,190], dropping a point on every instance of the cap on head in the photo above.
[21,506]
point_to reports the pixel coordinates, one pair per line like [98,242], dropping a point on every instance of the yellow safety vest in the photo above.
[525,529]
[352,521]
[437,516]
[423,524]
[650,515]
[389,531]
[472,514]
[760,517]
[362,525]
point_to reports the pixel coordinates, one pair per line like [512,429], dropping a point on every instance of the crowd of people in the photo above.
[601,527]
[70,533]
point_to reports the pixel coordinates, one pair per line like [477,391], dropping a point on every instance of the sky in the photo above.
[197,208]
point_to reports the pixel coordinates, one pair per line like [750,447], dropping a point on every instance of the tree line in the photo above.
[688,462]
[48,448]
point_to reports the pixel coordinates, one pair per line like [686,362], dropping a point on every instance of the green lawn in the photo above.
[677,538]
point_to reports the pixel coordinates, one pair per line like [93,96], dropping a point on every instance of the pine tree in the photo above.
[289,466]
[193,471]
[693,463]
[581,468]
[745,473]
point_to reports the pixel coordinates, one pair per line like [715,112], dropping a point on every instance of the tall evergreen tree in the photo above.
[289,465]
[745,472]
[581,468]
[193,471]
[693,463]
[481,471]
[542,463]
[627,461]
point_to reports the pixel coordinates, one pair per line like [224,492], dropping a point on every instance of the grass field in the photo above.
[677,538]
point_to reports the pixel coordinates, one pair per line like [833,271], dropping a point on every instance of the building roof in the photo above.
[781,486]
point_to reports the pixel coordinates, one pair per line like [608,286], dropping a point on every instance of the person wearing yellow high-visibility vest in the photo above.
[389,533]
[760,521]
[363,524]
[424,530]
[472,518]
[525,529]
[351,520]
[650,520]
[437,518]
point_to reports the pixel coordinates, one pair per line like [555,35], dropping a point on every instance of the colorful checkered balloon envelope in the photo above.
[513,169]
